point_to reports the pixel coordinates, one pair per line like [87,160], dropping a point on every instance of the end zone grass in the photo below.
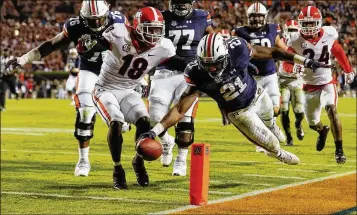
[39,152]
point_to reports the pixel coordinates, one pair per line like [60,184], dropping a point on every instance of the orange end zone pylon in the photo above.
[199,173]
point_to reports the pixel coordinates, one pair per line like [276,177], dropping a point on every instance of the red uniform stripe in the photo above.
[94,11]
[209,44]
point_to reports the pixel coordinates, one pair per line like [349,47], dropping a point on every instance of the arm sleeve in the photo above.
[176,62]
[341,57]
[188,74]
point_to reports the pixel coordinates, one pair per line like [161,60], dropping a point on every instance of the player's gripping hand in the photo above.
[349,77]
[12,64]
[149,134]
[309,63]
[225,120]
[85,43]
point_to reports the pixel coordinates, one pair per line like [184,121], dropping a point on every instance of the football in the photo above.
[149,149]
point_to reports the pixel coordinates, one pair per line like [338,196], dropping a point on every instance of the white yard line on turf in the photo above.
[238,182]
[57,152]
[187,191]
[22,133]
[82,197]
[303,170]
[272,176]
[46,130]
[257,192]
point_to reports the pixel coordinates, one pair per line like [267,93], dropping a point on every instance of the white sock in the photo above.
[182,154]
[83,153]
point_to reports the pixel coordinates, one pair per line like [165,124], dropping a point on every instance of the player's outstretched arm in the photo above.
[46,48]
[175,113]
[260,52]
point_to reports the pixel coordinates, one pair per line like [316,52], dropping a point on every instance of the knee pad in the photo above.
[85,121]
[142,126]
[184,134]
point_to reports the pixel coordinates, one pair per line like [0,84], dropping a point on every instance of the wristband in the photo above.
[300,60]
[32,55]
[158,128]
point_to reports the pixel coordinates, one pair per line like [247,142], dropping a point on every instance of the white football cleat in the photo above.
[82,168]
[167,147]
[259,149]
[278,133]
[179,168]
[285,157]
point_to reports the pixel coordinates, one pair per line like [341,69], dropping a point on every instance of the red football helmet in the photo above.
[310,20]
[291,26]
[149,24]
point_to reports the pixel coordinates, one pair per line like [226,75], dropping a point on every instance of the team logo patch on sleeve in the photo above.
[303,45]
[126,48]
[173,23]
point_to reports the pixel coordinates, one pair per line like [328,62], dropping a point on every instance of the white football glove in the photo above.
[349,77]
[298,69]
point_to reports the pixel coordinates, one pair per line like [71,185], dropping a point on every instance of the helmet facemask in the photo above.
[151,33]
[214,68]
[96,23]
[256,20]
[181,7]
[310,28]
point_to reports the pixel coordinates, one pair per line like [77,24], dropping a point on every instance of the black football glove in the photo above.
[85,43]
[309,63]
[12,64]
[149,134]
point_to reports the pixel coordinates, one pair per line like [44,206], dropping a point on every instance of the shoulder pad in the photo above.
[115,30]
[199,12]
[330,30]
[167,44]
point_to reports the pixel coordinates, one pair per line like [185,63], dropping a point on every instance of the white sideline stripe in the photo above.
[272,176]
[64,153]
[257,192]
[80,197]
[239,182]
[316,164]
[46,130]
[22,133]
[210,192]
[303,170]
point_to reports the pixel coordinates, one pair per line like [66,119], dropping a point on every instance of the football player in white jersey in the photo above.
[291,91]
[134,51]
[72,67]
[318,43]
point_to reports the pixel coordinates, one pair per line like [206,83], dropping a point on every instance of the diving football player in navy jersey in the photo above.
[221,71]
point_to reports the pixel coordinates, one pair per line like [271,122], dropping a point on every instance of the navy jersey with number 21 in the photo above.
[235,88]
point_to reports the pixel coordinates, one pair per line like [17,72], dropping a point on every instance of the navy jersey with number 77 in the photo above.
[235,89]
[186,33]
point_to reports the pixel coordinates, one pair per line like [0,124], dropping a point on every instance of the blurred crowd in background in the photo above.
[26,24]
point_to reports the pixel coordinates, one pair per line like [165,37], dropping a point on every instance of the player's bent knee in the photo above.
[116,126]
[331,109]
[85,123]
[184,134]
[299,108]
[285,106]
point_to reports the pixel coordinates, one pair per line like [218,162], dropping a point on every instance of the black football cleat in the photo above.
[321,140]
[300,132]
[289,141]
[139,168]
[119,179]
[340,156]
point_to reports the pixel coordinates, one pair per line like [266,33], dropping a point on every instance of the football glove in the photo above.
[85,43]
[309,63]
[12,64]
[149,134]
[349,77]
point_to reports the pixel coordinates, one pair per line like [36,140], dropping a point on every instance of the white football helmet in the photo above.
[257,15]
[212,54]
[95,14]
[73,54]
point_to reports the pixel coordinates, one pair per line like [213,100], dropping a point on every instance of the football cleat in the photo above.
[179,168]
[167,147]
[119,180]
[340,156]
[139,168]
[259,149]
[285,157]
[321,140]
[82,168]
[300,132]
[278,133]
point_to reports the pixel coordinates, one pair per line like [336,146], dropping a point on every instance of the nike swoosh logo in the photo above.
[324,41]
[150,55]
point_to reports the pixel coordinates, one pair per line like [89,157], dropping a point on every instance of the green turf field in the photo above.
[39,153]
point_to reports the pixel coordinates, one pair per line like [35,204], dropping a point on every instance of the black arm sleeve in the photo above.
[176,62]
